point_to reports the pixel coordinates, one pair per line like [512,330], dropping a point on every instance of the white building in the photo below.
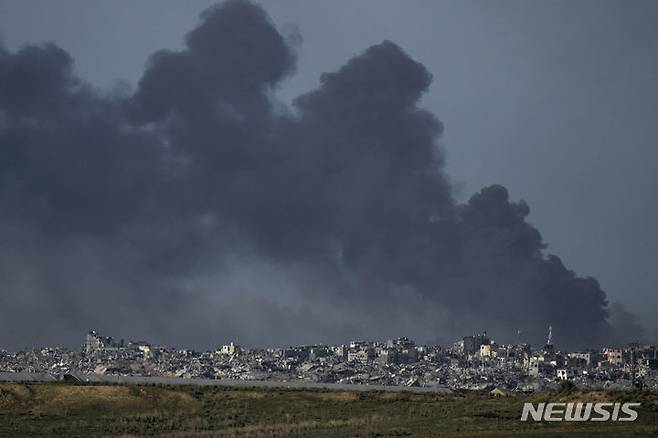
[229,349]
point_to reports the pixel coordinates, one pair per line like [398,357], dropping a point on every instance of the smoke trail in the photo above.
[198,207]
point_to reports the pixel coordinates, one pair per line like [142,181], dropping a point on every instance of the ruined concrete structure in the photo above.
[473,363]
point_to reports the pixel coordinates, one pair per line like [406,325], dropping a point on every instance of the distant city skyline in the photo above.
[474,362]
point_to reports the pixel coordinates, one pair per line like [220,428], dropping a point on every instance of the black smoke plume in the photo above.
[198,208]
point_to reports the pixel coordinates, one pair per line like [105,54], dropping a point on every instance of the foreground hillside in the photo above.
[128,410]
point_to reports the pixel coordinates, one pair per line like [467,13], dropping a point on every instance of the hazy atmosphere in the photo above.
[301,172]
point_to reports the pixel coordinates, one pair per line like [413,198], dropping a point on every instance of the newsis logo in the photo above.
[579,411]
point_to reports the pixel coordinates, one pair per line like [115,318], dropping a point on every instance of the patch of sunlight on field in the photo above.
[72,399]
[341,396]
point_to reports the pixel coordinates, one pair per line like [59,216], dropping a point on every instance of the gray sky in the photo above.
[556,100]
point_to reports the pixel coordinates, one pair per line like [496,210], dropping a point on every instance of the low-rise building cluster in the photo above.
[473,363]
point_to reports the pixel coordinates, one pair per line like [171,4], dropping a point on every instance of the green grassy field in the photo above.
[123,410]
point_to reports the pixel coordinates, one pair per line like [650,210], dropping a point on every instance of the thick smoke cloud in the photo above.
[198,208]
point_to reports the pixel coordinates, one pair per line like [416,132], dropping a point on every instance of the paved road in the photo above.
[98,378]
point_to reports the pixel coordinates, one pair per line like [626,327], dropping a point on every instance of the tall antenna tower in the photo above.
[549,341]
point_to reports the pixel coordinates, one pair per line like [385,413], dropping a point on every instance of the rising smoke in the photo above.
[198,208]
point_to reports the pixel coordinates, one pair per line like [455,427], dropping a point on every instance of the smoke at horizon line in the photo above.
[130,210]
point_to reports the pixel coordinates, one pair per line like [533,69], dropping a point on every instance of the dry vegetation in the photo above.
[123,410]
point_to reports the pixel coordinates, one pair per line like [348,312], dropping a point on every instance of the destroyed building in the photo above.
[473,363]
